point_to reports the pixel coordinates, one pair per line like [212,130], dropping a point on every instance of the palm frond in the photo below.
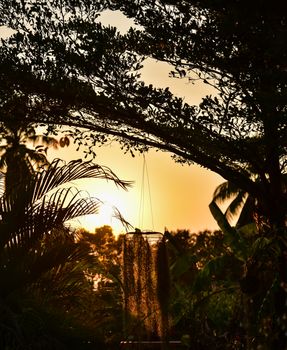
[64,208]
[225,191]
[247,212]
[59,173]
[40,218]
[55,257]
[231,235]
[35,263]
[236,205]
[33,211]
[117,215]
[30,212]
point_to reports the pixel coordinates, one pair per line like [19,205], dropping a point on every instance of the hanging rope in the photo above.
[145,176]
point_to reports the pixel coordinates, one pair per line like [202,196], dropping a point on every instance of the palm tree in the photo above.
[17,158]
[242,203]
[34,242]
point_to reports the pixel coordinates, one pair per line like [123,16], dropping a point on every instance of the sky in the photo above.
[175,196]
[167,195]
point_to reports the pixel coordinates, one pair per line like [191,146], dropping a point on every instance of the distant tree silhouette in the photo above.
[18,159]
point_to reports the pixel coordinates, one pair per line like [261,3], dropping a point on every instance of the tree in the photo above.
[241,204]
[108,249]
[37,251]
[18,159]
[64,68]
[239,132]
[105,306]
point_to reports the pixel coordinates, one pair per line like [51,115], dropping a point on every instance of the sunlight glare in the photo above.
[106,215]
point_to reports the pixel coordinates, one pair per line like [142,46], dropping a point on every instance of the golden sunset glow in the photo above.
[112,200]
[179,194]
[143,175]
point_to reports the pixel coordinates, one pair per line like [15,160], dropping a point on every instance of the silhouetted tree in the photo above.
[243,125]
[62,67]
[22,152]
[37,252]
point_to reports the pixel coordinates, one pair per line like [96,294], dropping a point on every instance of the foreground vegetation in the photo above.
[66,288]
[43,263]
[69,289]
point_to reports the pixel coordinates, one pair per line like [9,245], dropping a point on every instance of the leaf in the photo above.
[231,235]
[182,264]
[260,245]
[226,268]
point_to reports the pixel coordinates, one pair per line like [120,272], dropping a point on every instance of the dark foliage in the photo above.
[62,67]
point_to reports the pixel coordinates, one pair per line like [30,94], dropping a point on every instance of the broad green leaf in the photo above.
[231,235]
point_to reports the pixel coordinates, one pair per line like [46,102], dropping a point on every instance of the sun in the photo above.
[112,200]
[103,217]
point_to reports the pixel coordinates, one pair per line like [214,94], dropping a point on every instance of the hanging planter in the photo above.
[146,285]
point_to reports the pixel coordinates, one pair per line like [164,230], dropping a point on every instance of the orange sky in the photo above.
[180,194]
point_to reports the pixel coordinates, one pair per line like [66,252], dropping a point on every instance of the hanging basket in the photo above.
[146,288]
[150,236]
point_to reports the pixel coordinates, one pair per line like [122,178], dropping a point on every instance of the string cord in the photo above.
[145,176]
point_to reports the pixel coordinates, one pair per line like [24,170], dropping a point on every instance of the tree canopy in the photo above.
[63,67]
